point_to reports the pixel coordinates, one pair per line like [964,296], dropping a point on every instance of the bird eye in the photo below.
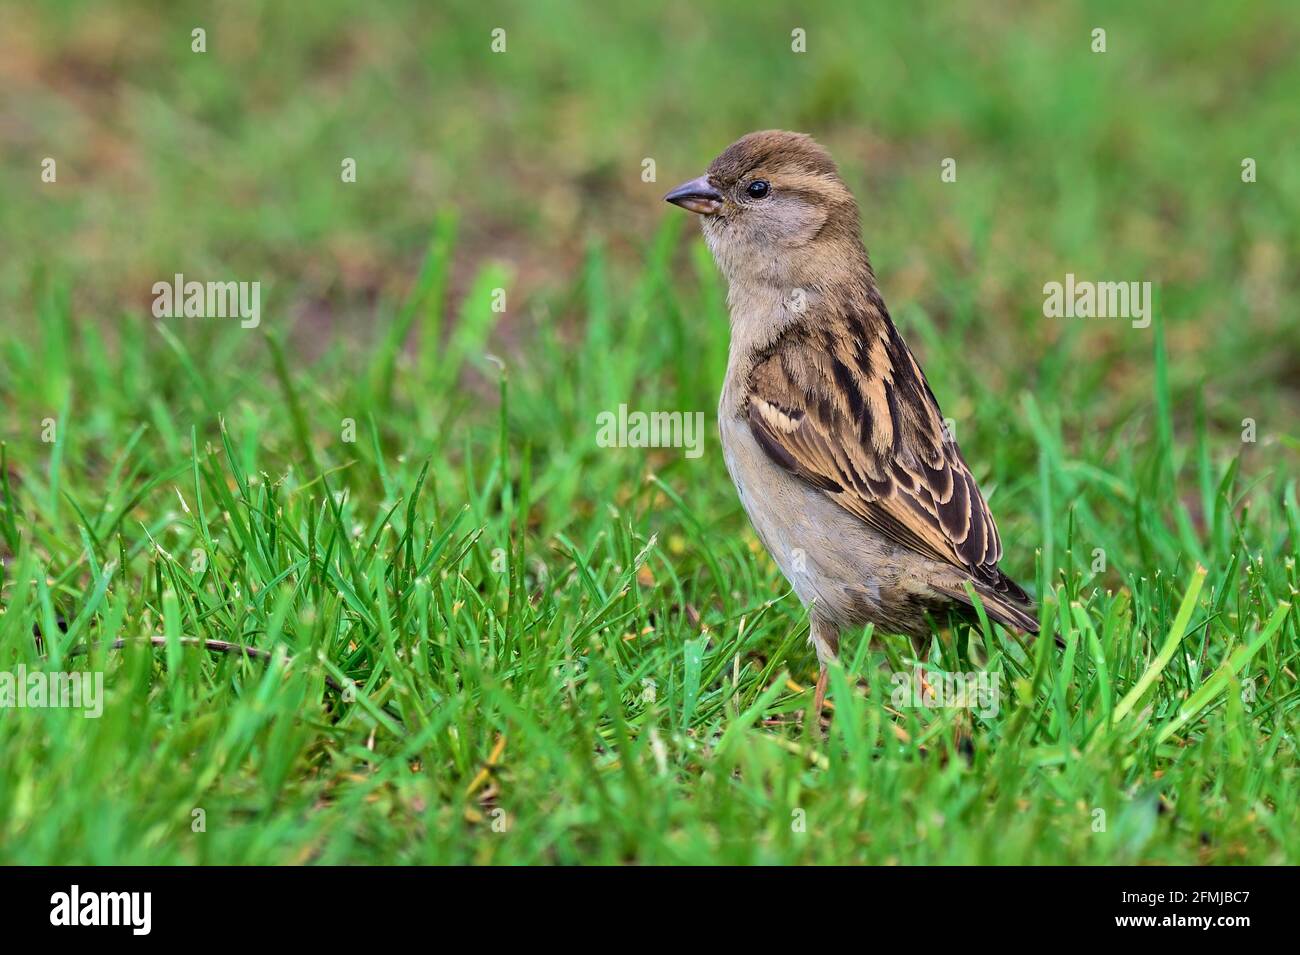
[757,189]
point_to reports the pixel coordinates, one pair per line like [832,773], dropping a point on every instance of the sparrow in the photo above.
[829,429]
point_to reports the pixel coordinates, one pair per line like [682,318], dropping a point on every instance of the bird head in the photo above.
[771,205]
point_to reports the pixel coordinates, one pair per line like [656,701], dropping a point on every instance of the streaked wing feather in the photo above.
[848,410]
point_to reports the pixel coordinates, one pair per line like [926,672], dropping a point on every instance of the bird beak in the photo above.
[697,196]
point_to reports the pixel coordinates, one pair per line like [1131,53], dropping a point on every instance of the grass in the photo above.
[552,651]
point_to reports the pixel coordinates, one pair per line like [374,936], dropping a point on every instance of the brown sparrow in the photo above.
[829,429]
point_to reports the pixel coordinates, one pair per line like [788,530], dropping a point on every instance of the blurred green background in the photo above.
[1122,165]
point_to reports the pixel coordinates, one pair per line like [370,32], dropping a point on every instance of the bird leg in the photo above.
[819,697]
[826,641]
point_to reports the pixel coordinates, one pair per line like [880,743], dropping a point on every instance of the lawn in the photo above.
[491,639]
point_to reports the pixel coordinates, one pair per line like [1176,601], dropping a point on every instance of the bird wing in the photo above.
[849,411]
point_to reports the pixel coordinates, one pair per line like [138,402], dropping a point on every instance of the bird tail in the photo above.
[1004,602]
